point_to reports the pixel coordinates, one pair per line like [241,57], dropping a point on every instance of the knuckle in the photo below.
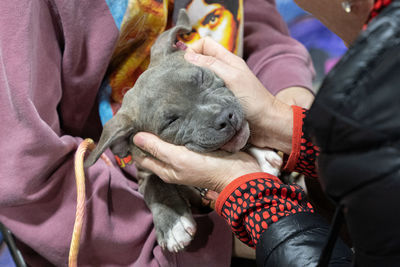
[179,161]
[241,61]
[168,175]
[209,61]
[208,40]
[153,149]
[236,78]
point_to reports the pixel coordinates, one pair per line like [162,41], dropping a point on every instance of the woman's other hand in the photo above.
[177,164]
[270,119]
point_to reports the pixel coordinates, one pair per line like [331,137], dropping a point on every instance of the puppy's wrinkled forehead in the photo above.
[184,80]
[174,80]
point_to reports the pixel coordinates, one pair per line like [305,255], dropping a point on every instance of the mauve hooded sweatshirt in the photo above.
[53,57]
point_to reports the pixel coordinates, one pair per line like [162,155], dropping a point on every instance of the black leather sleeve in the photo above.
[298,240]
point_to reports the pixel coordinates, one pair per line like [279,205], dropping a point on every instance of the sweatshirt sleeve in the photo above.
[37,186]
[277,60]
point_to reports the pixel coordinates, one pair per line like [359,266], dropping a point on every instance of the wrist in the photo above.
[276,128]
[243,167]
[299,96]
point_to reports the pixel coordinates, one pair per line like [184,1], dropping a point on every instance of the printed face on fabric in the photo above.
[219,20]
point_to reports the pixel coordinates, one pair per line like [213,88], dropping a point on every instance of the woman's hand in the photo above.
[236,75]
[270,119]
[177,164]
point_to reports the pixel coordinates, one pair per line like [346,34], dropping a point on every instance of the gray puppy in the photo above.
[183,104]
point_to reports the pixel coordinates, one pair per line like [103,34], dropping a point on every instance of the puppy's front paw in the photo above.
[176,234]
[180,235]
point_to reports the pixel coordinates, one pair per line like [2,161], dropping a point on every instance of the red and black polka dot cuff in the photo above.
[298,116]
[252,202]
[304,152]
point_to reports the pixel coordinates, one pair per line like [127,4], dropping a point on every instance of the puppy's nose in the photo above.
[225,119]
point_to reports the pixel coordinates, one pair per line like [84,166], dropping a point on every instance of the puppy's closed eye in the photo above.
[197,77]
[169,121]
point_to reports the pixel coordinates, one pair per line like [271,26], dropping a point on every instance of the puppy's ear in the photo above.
[165,43]
[118,127]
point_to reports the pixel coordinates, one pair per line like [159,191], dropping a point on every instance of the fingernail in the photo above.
[180,45]
[139,140]
[190,56]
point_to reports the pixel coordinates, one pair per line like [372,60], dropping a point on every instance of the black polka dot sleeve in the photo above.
[251,203]
[304,152]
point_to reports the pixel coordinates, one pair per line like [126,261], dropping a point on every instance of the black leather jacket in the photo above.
[355,120]
[298,240]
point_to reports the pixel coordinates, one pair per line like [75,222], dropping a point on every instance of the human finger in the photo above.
[223,70]
[155,146]
[161,169]
[208,47]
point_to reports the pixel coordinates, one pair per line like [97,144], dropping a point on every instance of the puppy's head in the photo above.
[181,103]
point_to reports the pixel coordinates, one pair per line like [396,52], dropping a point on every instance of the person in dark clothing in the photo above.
[349,139]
